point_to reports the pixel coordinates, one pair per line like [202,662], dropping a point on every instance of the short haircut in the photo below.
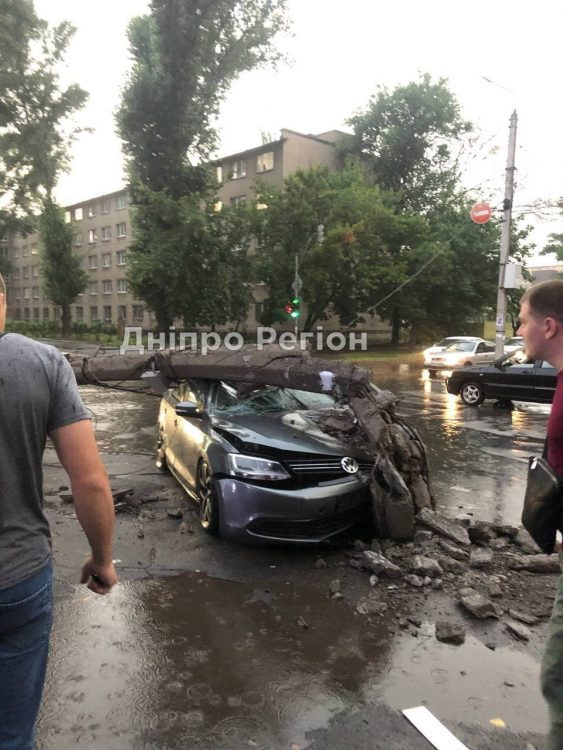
[546,299]
[2,286]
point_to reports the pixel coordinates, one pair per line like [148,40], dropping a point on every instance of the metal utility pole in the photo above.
[296,286]
[505,235]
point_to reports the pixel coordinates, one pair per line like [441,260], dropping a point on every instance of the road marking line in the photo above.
[433,729]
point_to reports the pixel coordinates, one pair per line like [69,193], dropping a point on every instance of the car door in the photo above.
[167,422]
[189,436]
[484,353]
[545,380]
[513,381]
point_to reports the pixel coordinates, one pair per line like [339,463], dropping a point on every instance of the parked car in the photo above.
[516,342]
[258,464]
[462,354]
[512,377]
[441,345]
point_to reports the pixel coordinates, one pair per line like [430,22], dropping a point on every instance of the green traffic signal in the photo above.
[295,312]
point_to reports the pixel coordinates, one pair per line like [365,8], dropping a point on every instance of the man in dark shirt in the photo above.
[541,325]
[39,398]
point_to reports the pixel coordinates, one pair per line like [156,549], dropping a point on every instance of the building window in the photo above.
[27,293]
[122,312]
[78,239]
[18,293]
[237,200]
[106,287]
[16,253]
[26,272]
[93,314]
[68,217]
[93,287]
[17,274]
[34,250]
[91,210]
[92,236]
[35,292]
[107,313]
[56,312]
[79,313]
[35,271]
[36,312]
[106,206]
[25,251]
[219,173]
[106,233]
[238,169]
[138,312]
[18,313]
[121,285]
[120,229]
[120,201]
[120,257]
[106,260]
[92,261]
[26,313]
[78,213]
[265,162]
[45,313]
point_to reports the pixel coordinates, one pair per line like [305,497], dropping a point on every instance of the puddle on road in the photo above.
[200,663]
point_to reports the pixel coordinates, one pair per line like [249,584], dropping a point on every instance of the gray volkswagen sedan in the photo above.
[258,465]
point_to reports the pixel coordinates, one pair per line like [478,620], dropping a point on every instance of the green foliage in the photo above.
[34,110]
[407,138]
[190,260]
[186,54]
[555,246]
[356,259]
[64,279]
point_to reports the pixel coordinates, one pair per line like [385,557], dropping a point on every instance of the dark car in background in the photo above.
[258,464]
[510,378]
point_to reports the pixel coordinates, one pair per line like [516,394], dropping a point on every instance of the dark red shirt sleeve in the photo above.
[555,429]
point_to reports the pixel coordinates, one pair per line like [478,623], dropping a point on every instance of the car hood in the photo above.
[285,432]
[475,369]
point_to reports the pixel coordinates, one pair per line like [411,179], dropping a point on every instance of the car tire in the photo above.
[467,364]
[208,506]
[471,394]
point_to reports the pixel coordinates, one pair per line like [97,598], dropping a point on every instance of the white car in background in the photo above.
[441,345]
[462,354]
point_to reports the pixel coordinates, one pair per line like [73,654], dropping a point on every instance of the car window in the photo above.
[461,346]
[481,348]
[191,390]
[545,365]
[489,347]
[227,400]
[514,342]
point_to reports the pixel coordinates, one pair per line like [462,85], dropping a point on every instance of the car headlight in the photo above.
[251,467]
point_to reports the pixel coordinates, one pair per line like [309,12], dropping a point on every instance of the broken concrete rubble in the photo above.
[380,565]
[450,632]
[481,559]
[535,563]
[442,525]
[479,606]
[426,566]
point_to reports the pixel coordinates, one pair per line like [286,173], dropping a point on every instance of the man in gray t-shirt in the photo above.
[38,399]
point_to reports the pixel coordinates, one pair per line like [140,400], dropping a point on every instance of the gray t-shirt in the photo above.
[38,393]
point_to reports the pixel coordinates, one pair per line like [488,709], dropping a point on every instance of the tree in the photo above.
[186,54]
[35,130]
[555,246]
[354,263]
[64,280]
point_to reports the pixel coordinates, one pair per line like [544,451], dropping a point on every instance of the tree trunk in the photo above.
[163,321]
[65,320]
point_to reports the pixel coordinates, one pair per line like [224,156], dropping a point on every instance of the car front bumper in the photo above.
[253,513]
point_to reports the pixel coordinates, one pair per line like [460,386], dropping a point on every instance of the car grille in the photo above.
[317,528]
[323,468]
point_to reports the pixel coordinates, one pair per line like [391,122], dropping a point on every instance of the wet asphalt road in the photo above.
[200,646]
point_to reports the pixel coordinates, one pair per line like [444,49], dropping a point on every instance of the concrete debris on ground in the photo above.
[450,632]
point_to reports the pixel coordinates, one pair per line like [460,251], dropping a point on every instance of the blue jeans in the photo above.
[26,611]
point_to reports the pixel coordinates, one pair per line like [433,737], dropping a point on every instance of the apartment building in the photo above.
[101,230]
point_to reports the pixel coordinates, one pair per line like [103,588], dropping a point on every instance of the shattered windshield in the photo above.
[230,400]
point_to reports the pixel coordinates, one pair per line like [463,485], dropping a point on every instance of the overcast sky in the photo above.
[340,52]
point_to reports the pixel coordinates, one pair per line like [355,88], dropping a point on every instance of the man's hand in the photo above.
[99,578]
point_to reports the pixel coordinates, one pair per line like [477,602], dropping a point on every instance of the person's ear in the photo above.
[552,327]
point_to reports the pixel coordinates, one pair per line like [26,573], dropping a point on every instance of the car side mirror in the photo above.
[188,409]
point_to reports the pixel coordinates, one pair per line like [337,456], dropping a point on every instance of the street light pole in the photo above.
[505,235]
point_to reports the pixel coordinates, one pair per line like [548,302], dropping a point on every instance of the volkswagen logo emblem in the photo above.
[350,465]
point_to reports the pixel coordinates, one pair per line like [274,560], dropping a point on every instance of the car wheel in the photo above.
[472,394]
[467,364]
[208,506]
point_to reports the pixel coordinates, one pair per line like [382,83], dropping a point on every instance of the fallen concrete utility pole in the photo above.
[400,484]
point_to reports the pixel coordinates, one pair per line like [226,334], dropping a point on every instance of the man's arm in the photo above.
[93,502]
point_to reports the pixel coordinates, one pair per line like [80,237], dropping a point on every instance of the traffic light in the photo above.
[292,307]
